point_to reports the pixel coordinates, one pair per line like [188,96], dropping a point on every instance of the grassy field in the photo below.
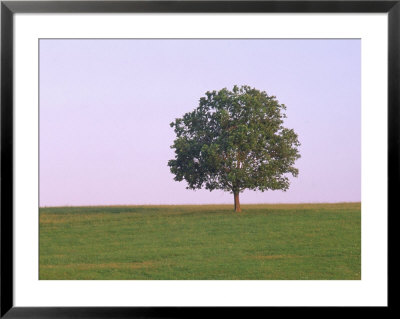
[299,241]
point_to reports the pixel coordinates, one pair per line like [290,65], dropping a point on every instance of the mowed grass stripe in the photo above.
[287,241]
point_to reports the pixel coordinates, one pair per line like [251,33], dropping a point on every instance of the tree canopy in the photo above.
[235,140]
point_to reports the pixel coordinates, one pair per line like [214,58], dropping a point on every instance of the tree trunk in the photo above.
[237,203]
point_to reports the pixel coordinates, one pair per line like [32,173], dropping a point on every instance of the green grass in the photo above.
[279,242]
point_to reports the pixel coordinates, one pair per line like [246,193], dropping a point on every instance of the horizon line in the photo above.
[211,204]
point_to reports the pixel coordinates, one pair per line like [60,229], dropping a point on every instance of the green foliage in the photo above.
[277,242]
[235,140]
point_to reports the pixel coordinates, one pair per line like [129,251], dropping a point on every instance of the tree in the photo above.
[235,140]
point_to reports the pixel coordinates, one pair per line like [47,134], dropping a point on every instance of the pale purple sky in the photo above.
[106,105]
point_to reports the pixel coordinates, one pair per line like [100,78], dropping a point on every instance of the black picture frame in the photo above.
[9,8]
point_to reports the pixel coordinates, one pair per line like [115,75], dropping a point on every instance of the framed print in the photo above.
[158,156]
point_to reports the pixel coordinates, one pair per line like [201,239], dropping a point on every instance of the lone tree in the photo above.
[235,140]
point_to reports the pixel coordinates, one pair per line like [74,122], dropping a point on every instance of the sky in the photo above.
[106,105]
